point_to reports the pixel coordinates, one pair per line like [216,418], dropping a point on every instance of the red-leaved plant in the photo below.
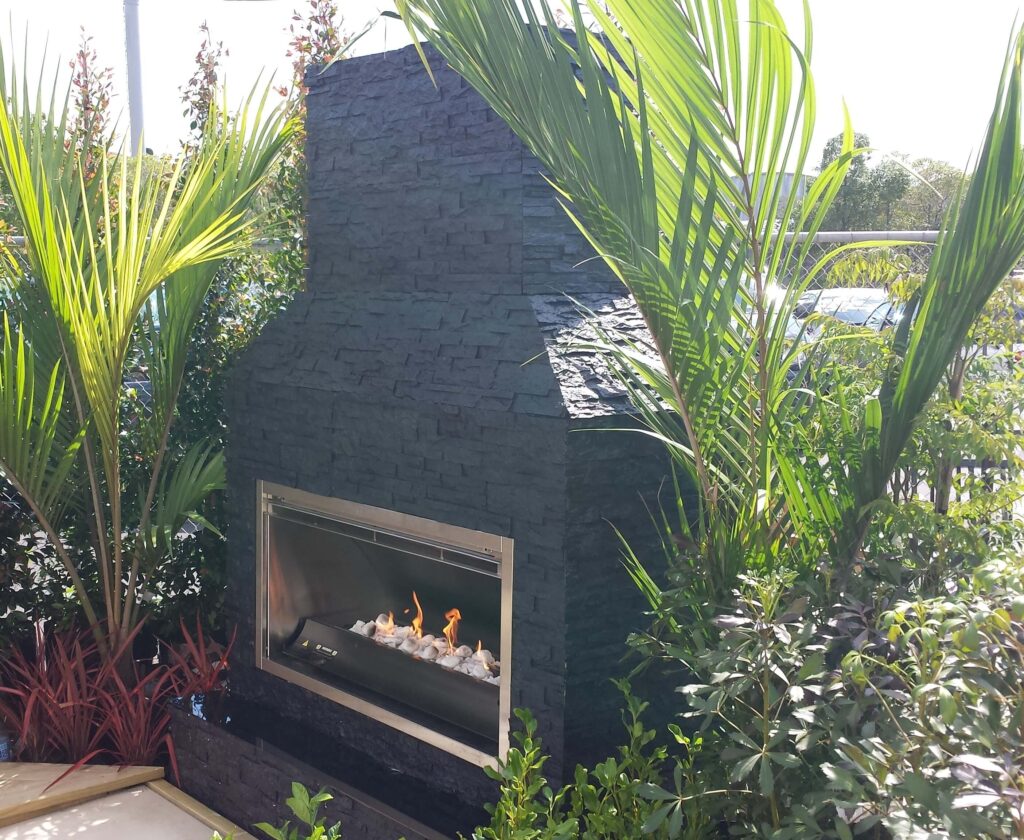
[200,667]
[49,699]
[65,703]
[137,720]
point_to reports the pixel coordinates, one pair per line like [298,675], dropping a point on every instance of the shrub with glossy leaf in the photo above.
[306,809]
[620,797]
[871,719]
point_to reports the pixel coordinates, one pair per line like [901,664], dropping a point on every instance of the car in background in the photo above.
[857,306]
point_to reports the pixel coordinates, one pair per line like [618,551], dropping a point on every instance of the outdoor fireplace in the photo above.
[403,619]
[421,407]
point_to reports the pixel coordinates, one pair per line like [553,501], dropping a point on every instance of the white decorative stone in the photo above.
[428,652]
[484,657]
[462,651]
[410,645]
[449,661]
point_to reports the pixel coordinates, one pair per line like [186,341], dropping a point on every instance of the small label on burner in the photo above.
[326,651]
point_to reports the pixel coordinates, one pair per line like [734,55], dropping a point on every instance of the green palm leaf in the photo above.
[673,137]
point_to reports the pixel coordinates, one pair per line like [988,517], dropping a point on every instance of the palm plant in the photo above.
[674,131]
[113,275]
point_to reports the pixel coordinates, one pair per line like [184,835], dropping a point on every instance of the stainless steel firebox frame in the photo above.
[409,527]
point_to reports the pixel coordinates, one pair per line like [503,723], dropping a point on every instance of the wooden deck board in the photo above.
[105,803]
[25,788]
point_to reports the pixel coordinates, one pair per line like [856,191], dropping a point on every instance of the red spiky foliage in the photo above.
[67,704]
[136,717]
[202,666]
[49,698]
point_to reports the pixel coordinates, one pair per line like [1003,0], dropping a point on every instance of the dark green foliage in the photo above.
[877,718]
[621,797]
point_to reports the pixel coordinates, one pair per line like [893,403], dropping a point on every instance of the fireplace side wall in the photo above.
[614,479]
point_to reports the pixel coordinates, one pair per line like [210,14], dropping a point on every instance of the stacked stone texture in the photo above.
[417,373]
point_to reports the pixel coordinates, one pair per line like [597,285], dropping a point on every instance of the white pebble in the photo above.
[493,680]
[428,652]
[449,661]
[427,640]
[441,645]
[409,645]
[403,632]
[484,657]
[463,651]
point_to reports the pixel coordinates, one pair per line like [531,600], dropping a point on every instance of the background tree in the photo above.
[925,201]
[870,194]
[91,86]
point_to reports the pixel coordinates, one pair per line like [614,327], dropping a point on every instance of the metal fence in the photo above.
[905,252]
[909,250]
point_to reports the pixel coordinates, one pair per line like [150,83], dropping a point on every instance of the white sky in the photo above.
[918,75]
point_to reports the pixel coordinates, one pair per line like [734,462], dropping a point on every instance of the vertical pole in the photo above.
[134,62]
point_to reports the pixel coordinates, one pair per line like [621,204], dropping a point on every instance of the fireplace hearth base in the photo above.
[244,768]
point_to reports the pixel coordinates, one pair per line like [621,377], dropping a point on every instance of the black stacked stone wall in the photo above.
[247,780]
[413,375]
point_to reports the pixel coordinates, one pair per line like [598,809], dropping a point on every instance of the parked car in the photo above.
[861,307]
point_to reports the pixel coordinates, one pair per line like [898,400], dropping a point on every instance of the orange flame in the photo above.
[417,622]
[479,645]
[451,629]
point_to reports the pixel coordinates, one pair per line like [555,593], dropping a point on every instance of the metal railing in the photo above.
[912,248]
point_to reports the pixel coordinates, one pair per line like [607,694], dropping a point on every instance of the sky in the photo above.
[918,76]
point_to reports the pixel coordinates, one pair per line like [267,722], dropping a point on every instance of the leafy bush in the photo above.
[67,703]
[942,683]
[874,719]
[620,797]
[306,809]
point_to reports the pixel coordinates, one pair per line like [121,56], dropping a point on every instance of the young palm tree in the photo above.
[113,275]
[674,130]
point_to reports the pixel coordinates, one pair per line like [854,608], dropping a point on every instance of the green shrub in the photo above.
[870,718]
[306,809]
[620,797]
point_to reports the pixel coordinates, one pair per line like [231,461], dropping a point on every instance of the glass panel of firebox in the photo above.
[415,621]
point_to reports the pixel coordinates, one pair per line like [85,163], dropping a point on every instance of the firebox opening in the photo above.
[405,619]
